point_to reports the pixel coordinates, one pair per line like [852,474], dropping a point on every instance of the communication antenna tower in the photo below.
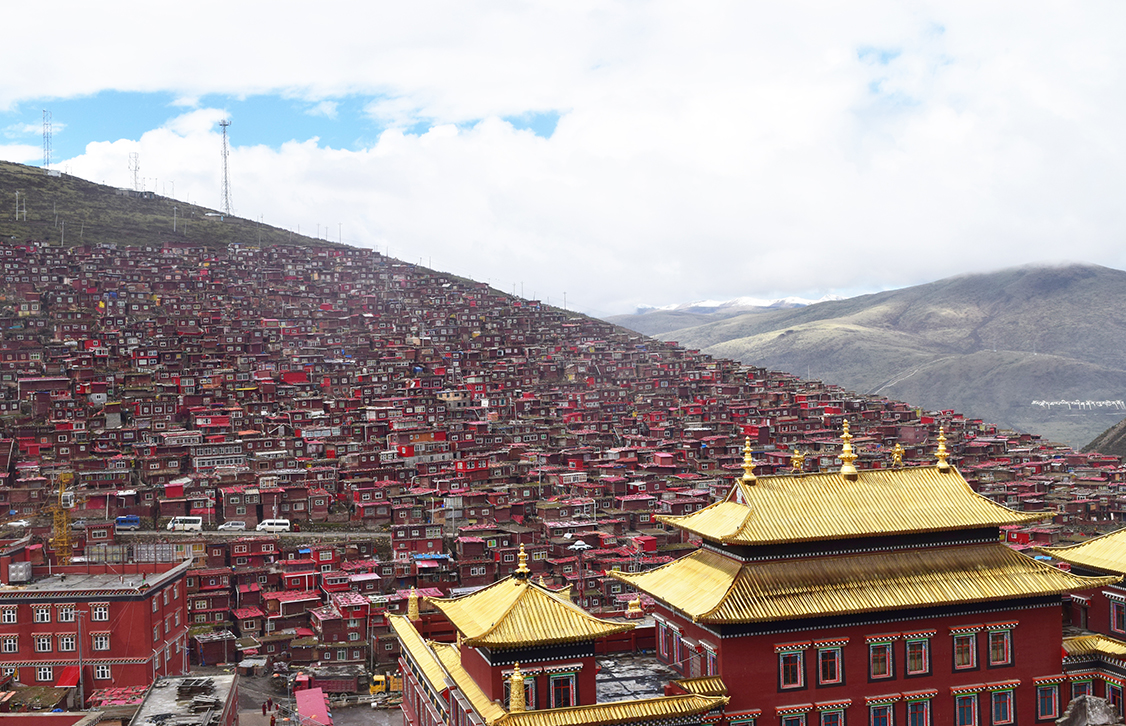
[134,169]
[226,171]
[46,140]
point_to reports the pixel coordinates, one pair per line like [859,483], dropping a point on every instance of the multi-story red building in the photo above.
[124,624]
[878,596]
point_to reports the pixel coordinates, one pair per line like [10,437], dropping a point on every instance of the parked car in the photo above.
[127,521]
[185,524]
[273,525]
[232,526]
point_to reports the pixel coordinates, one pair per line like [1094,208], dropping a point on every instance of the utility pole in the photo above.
[80,614]
[46,140]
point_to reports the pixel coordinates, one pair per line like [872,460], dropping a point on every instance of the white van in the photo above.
[273,525]
[185,524]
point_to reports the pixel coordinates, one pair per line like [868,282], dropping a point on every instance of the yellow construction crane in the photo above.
[60,537]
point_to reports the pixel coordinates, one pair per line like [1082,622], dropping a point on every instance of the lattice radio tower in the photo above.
[135,169]
[226,170]
[46,140]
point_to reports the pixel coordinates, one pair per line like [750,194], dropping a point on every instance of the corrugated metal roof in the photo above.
[1107,552]
[830,506]
[710,587]
[513,613]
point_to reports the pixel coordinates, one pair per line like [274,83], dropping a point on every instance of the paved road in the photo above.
[150,535]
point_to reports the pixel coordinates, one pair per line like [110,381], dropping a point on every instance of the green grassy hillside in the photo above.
[989,345]
[74,211]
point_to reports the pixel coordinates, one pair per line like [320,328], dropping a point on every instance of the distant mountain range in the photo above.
[1038,348]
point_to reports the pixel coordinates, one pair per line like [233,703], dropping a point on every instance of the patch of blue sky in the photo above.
[540,123]
[878,56]
[270,120]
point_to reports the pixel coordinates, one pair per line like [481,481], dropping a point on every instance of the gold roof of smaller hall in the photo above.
[439,665]
[823,506]
[1106,552]
[515,612]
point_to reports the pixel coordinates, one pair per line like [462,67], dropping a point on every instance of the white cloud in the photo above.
[703,151]
[324,108]
[21,153]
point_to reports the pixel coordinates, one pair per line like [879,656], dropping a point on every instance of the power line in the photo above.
[226,170]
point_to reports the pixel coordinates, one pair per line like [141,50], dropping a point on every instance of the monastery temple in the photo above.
[880,597]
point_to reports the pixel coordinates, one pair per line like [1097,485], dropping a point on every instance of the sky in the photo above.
[615,154]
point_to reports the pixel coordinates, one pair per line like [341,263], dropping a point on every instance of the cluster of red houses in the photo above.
[429,426]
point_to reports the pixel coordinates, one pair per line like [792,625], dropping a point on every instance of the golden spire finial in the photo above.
[897,455]
[797,461]
[542,582]
[522,570]
[748,463]
[941,454]
[412,606]
[846,456]
[516,690]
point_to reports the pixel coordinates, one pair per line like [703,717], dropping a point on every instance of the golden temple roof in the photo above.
[617,712]
[823,506]
[450,657]
[704,686]
[515,613]
[1107,553]
[1094,645]
[441,664]
[710,587]
[416,647]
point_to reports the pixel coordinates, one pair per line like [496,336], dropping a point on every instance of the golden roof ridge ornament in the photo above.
[941,453]
[516,690]
[522,570]
[897,455]
[412,606]
[748,463]
[797,461]
[847,456]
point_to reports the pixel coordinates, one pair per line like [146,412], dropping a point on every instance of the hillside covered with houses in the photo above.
[424,426]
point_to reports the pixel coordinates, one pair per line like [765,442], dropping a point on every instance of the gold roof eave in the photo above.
[647,710]
[709,587]
[828,505]
[1097,645]
[514,612]
[1106,552]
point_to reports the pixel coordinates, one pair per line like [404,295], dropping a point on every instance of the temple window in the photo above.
[1118,616]
[1114,696]
[1048,699]
[1081,688]
[797,719]
[791,669]
[965,651]
[563,691]
[1000,648]
[919,713]
[965,710]
[1002,707]
[880,715]
[880,661]
[832,718]
[829,666]
[918,657]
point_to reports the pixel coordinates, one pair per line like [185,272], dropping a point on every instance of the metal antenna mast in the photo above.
[134,169]
[226,170]
[46,140]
